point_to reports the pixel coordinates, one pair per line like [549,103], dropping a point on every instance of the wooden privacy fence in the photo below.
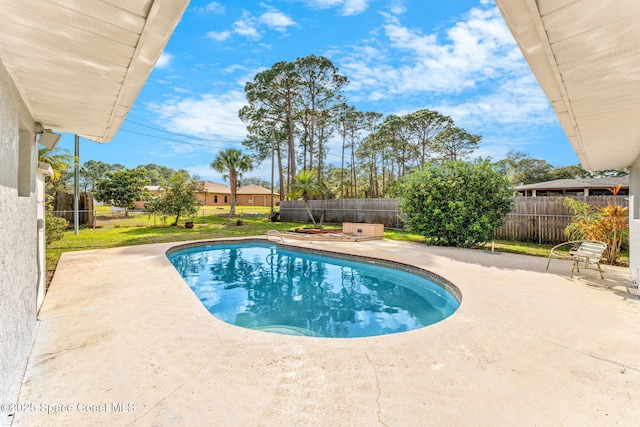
[543,219]
[533,219]
[63,207]
[377,211]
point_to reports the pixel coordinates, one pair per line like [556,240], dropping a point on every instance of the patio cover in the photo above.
[80,64]
[585,55]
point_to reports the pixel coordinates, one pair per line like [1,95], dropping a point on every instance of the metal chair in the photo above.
[583,253]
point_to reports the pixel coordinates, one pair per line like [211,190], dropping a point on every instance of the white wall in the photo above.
[634,221]
[18,236]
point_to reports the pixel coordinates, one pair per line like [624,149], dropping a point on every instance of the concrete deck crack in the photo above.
[182,384]
[584,353]
[375,373]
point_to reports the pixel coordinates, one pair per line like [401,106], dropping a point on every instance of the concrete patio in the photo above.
[122,340]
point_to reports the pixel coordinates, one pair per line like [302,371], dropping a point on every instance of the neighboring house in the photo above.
[254,195]
[220,195]
[154,190]
[584,55]
[74,66]
[215,194]
[576,187]
[251,195]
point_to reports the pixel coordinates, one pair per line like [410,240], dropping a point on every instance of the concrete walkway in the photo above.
[123,341]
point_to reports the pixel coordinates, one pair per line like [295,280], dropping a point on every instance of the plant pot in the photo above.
[188,224]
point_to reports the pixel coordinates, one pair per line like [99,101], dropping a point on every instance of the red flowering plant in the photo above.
[608,224]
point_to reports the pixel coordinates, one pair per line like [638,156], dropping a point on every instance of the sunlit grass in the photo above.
[139,230]
[404,236]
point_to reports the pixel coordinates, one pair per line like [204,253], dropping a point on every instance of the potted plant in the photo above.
[188,224]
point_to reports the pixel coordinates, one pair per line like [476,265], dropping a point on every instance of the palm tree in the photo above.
[306,187]
[60,161]
[232,163]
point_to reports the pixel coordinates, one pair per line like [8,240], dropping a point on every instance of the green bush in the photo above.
[54,227]
[455,204]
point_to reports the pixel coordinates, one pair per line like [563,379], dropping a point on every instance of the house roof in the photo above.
[213,187]
[79,65]
[253,189]
[585,56]
[571,184]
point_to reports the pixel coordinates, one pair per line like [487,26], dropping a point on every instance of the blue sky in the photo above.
[455,57]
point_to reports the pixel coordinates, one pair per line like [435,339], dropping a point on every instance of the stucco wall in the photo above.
[634,221]
[18,237]
[257,199]
[213,199]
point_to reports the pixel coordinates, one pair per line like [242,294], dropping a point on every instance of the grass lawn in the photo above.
[139,229]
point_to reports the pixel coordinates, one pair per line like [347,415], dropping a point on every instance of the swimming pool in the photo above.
[279,289]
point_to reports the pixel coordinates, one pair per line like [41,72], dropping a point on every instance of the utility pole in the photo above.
[76,185]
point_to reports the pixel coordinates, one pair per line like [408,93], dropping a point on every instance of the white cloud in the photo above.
[164,61]
[354,7]
[249,76]
[474,50]
[205,171]
[249,26]
[517,102]
[397,7]
[208,116]
[323,4]
[214,7]
[246,27]
[276,20]
[474,57]
[219,35]
[348,7]
[233,68]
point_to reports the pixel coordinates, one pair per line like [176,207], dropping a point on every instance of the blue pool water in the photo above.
[266,287]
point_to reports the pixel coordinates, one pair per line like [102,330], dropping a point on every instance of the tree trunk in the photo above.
[233,183]
[354,179]
[292,150]
[342,171]
[280,174]
[320,147]
[306,205]
[312,135]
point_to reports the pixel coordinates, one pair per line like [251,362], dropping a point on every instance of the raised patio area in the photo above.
[122,340]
